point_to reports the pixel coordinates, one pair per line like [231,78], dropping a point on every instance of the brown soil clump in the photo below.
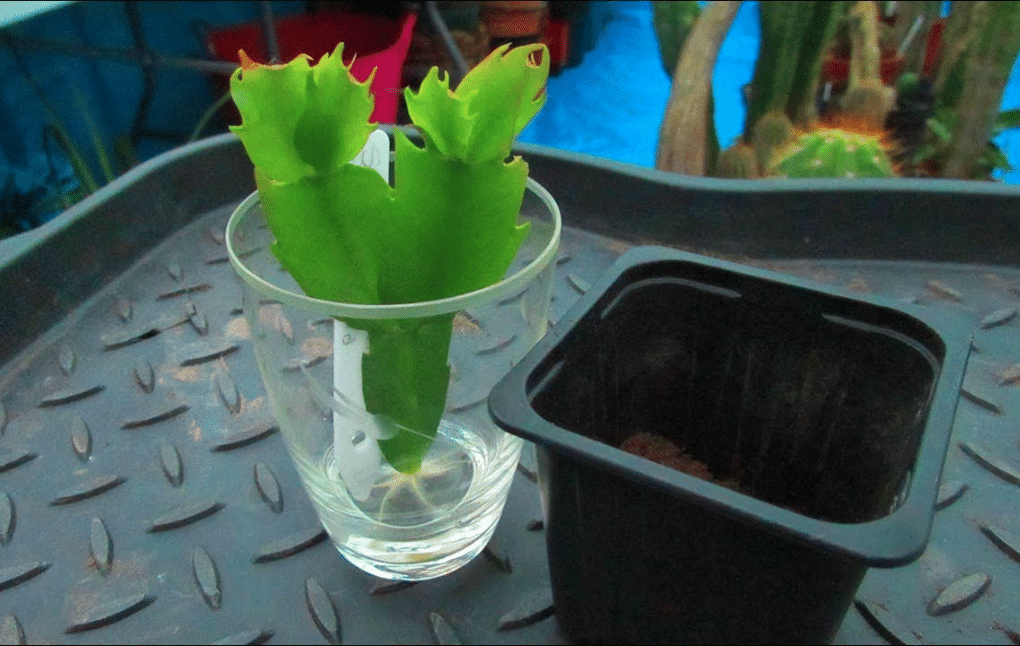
[665,452]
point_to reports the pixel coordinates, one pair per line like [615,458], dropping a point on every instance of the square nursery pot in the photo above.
[821,416]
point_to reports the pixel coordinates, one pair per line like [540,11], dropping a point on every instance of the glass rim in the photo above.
[504,288]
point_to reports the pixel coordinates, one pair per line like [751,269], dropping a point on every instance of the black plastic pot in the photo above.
[827,412]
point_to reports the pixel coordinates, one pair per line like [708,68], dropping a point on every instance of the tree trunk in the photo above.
[684,131]
[987,66]
[865,57]
[961,28]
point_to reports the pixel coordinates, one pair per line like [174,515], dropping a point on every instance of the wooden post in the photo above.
[684,130]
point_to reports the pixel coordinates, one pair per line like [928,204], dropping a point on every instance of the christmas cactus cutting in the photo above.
[448,225]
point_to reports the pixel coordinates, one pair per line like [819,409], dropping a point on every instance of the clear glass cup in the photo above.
[395,525]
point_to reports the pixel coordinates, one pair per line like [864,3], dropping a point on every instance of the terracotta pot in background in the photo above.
[521,22]
[836,69]
[933,48]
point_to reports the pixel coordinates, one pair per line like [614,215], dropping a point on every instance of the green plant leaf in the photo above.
[458,220]
[939,129]
[300,120]
[406,376]
[1007,120]
[448,226]
[333,253]
[673,21]
[994,158]
[924,152]
[94,133]
[478,121]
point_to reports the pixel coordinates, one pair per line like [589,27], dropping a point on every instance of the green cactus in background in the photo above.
[795,37]
[737,162]
[687,139]
[772,132]
[782,27]
[673,21]
[973,83]
[833,153]
[866,100]
[801,104]
[980,46]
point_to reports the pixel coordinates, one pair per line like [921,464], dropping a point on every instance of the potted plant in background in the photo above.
[723,451]
[947,136]
[395,311]
[979,48]
[853,33]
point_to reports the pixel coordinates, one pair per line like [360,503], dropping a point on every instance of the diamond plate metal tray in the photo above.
[146,496]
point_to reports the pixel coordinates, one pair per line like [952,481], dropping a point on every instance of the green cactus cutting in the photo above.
[833,153]
[448,226]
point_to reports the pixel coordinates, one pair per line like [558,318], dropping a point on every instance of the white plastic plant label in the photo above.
[376,154]
[355,432]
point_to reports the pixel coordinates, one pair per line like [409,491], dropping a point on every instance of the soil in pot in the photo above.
[664,451]
[812,404]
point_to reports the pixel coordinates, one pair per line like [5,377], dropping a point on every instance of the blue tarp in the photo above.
[612,104]
[97,99]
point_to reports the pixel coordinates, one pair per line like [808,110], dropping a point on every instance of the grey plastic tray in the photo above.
[146,496]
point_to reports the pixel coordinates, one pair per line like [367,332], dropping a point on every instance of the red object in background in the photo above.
[933,48]
[372,41]
[837,69]
[514,19]
[557,39]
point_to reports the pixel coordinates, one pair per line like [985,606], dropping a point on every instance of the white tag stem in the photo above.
[355,448]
